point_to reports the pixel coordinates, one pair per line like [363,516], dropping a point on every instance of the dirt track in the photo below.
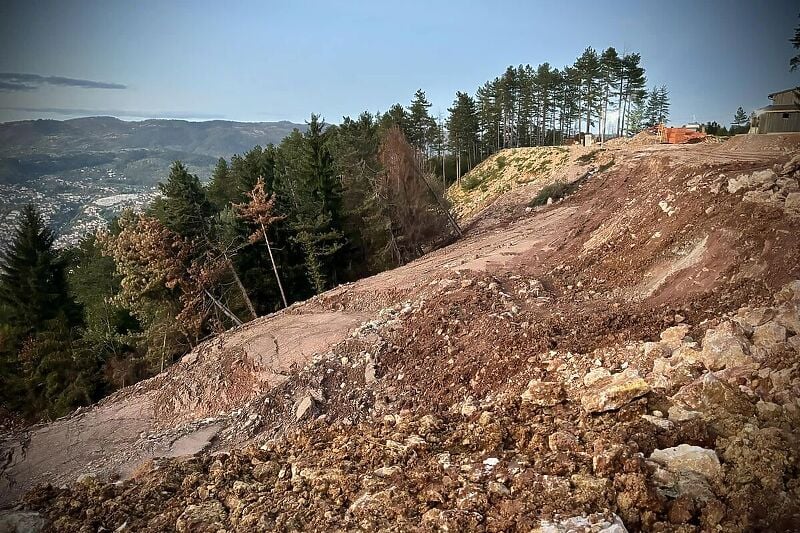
[611,241]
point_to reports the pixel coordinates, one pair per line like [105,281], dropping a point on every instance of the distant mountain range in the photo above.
[141,150]
[83,172]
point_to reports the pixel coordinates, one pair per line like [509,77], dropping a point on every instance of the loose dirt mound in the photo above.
[771,142]
[643,138]
[524,373]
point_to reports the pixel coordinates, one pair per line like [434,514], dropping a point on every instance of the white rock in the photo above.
[684,458]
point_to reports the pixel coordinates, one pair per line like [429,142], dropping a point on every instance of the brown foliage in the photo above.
[258,211]
[151,258]
[417,220]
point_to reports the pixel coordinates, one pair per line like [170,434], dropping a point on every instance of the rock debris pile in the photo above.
[697,431]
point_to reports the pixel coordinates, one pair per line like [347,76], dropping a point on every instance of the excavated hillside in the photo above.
[624,359]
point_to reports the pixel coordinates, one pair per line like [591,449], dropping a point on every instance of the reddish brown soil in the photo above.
[527,294]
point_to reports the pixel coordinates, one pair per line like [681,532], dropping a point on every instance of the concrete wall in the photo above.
[776,123]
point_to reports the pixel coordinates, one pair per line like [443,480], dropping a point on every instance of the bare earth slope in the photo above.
[584,357]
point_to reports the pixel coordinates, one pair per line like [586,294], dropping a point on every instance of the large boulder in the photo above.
[769,335]
[725,346]
[686,458]
[613,392]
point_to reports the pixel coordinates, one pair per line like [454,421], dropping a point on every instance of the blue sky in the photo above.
[267,61]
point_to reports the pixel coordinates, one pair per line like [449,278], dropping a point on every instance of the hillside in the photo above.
[141,150]
[66,166]
[524,171]
[626,357]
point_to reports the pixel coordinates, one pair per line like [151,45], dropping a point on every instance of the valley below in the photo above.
[83,172]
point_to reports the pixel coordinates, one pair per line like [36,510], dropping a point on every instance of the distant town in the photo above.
[76,203]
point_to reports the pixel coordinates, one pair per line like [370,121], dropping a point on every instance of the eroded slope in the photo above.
[666,235]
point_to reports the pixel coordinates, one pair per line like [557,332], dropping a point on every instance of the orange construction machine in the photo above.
[679,135]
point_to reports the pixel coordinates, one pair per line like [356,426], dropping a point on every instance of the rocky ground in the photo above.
[623,360]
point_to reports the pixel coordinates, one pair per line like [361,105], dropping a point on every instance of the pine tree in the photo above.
[489,117]
[740,119]
[632,84]
[610,66]
[222,188]
[663,105]
[310,195]
[589,70]
[421,127]
[183,206]
[33,283]
[39,317]
[462,128]
[657,107]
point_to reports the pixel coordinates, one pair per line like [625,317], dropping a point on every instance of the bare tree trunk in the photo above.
[444,207]
[224,309]
[239,284]
[444,174]
[163,349]
[274,266]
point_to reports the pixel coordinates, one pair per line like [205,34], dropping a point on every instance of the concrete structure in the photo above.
[782,116]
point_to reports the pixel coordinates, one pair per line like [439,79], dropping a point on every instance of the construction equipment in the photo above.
[679,135]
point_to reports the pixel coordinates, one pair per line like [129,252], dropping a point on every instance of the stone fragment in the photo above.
[562,441]
[21,522]
[756,180]
[725,346]
[683,458]
[613,392]
[711,395]
[369,372]
[792,203]
[595,374]
[387,471]
[789,292]
[676,414]
[769,334]
[674,335]
[674,372]
[748,316]
[303,407]
[543,393]
[761,197]
[204,517]
[656,349]
[790,166]
[660,423]
[789,318]
[498,488]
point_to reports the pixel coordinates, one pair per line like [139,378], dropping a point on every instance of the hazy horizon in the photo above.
[267,62]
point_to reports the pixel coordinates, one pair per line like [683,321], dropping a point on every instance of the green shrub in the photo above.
[555,191]
[501,162]
[470,181]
